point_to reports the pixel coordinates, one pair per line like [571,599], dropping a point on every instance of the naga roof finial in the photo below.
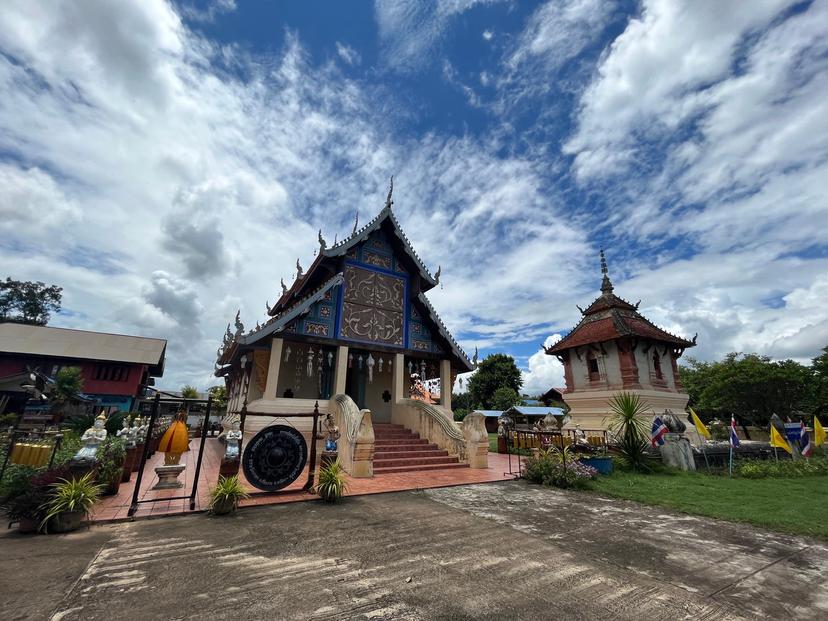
[388,201]
[239,324]
[267,306]
[299,270]
[606,285]
[335,236]
[437,273]
[474,358]
[356,223]
[322,244]
[284,286]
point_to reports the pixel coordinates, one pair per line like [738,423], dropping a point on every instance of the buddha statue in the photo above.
[92,439]
[232,442]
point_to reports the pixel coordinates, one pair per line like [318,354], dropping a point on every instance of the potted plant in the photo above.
[225,497]
[332,484]
[111,456]
[600,460]
[24,494]
[70,503]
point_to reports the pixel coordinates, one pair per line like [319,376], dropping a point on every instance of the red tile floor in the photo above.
[114,508]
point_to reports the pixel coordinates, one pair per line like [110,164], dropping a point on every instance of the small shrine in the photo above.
[613,349]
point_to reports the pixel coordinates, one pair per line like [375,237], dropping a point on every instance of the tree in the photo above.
[495,371]
[819,386]
[219,395]
[68,384]
[504,398]
[749,386]
[28,302]
[189,392]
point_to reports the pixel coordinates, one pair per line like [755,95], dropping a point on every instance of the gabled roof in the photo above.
[441,328]
[19,338]
[610,317]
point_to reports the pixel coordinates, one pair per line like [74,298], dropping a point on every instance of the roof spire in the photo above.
[388,201]
[606,285]
[356,223]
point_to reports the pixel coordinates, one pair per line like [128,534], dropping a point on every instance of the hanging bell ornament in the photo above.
[287,353]
[370,368]
[350,361]
[380,365]
[330,359]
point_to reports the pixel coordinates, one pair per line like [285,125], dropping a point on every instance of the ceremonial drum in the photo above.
[275,457]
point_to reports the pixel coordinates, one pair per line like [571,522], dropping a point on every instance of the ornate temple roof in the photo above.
[610,317]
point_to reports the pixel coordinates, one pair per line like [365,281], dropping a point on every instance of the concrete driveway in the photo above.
[495,551]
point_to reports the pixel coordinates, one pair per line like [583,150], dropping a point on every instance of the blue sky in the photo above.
[167,162]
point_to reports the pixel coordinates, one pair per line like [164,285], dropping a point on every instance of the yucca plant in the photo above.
[71,496]
[332,484]
[225,497]
[629,426]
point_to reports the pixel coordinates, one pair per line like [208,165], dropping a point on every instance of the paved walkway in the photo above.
[507,550]
[114,508]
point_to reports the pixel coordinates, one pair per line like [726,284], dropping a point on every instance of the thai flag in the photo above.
[657,434]
[734,439]
[805,441]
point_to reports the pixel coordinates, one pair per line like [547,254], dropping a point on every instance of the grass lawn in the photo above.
[793,505]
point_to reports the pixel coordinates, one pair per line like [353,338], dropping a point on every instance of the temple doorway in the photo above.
[368,383]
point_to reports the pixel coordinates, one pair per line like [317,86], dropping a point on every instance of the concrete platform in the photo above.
[506,550]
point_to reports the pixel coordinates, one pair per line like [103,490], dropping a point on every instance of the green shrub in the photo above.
[72,495]
[332,485]
[557,468]
[785,468]
[111,456]
[225,497]
[631,430]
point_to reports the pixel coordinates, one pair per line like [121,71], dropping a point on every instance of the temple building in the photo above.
[353,332]
[613,349]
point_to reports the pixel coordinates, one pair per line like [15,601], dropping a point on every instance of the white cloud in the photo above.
[544,371]
[487,35]
[348,54]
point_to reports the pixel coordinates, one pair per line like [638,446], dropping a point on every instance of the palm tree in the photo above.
[628,425]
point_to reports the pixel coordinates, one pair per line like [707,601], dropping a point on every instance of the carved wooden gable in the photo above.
[373,306]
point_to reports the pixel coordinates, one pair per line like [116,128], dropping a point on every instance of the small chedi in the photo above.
[92,439]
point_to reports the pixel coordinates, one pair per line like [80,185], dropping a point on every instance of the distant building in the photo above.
[553,395]
[613,349]
[115,368]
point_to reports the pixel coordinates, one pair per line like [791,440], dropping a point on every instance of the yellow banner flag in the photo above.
[819,432]
[699,425]
[778,441]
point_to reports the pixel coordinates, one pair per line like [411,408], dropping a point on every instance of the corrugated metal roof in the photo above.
[489,413]
[18,338]
[527,410]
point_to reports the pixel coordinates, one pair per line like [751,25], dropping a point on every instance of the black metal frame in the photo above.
[311,458]
[16,432]
[133,507]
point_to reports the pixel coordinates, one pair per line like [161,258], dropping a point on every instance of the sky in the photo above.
[166,163]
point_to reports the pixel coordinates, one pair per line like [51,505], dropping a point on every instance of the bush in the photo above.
[111,456]
[557,468]
[26,491]
[459,415]
[332,484]
[631,430]
[781,469]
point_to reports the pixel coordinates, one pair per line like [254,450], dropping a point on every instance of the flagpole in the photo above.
[731,459]
[704,452]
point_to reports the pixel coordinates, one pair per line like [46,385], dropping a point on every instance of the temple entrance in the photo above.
[368,382]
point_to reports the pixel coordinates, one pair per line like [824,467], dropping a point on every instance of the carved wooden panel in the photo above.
[372,308]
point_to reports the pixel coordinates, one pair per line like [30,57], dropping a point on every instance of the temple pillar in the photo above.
[676,379]
[273,368]
[398,380]
[341,374]
[445,384]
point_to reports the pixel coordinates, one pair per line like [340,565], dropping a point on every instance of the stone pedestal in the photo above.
[229,467]
[139,450]
[328,457]
[130,457]
[168,476]
[677,452]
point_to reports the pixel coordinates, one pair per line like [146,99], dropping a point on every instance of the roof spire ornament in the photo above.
[299,270]
[388,201]
[437,274]
[356,223]
[322,244]
[606,285]
[335,235]
[267,306]
[474,358]
[284,286]
[239,324]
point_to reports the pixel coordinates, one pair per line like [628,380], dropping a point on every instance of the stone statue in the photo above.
[92,439]
[673,423]
[125,433]
[232,442]
[332,434]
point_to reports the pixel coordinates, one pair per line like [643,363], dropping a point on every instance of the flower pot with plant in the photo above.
[70,503]
[25,492]
[332,484]
[225,497]
[111,456]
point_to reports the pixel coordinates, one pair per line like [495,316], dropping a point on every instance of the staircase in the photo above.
[397,449]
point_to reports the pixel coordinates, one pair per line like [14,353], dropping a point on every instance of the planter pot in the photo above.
[112,487]
[224,507]
[66,522]
[28,525]
[602,464]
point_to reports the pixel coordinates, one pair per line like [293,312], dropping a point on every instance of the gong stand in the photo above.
[288,431]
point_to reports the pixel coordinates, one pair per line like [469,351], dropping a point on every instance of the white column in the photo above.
[341,373]
[398,380]
[273,368]
[445,384]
